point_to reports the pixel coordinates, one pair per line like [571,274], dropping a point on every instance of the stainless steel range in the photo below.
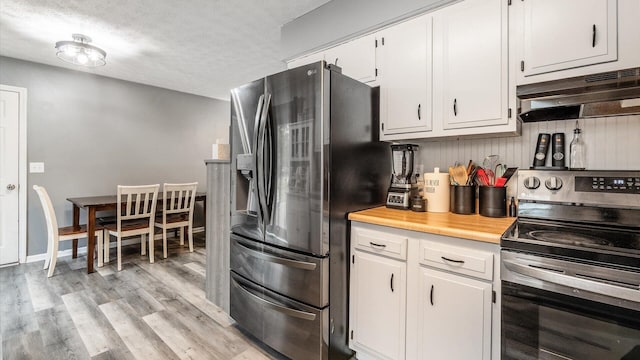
[571,267]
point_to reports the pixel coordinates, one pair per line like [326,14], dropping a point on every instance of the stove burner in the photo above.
[570,238]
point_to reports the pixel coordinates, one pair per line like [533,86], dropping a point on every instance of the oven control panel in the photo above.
[597,187]
[610,184]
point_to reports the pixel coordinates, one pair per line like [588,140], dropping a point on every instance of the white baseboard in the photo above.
[112,244]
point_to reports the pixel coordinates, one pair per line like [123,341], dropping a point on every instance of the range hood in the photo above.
[612,93]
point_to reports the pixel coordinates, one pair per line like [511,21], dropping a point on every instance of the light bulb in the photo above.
[93,55]
[70,50]
[82,58]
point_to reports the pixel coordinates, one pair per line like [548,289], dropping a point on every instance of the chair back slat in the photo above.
[49,213]
[138,202]
[179,198]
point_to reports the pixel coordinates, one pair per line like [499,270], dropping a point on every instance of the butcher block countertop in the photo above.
[472,227]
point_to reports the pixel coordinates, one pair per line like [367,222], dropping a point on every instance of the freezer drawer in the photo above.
[296,330]
[302,277]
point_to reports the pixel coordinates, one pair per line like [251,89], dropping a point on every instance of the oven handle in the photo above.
[574,282]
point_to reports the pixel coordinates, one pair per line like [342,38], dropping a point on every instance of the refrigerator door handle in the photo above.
[260,170]
[279,308]
[270,151]
[303,265]
[256,133]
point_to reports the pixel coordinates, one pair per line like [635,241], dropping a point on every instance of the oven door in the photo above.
[545,318]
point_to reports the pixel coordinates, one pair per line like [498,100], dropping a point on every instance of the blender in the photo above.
[403,182]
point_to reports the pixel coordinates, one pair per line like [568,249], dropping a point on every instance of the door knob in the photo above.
[11,187]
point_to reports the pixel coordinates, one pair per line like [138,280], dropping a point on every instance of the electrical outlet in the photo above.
[36,167]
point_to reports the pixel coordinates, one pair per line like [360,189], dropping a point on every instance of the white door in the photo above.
[9,133]
[569,33]
[357,58]
[405,77]
[378,306]
[470,49]
[455,317]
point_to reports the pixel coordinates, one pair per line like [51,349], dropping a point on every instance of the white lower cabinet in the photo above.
[422,296]
[378,293]
[454,317]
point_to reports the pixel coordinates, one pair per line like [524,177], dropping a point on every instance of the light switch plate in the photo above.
[36,167]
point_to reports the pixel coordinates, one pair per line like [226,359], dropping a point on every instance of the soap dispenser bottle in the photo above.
[577,160]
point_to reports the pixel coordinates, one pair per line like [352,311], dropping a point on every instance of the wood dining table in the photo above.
[93,204]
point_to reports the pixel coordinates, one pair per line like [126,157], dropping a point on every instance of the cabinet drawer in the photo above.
[456,259]
[379,243]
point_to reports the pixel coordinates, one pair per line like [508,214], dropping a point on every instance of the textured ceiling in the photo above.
[203,47]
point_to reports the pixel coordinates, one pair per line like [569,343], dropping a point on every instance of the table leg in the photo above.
[91,239]
[76,222]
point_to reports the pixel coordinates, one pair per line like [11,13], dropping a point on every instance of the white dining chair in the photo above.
[57,234]
[135,212]
[177,212]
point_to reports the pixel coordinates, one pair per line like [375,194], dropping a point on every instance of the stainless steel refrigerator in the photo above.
[304,154]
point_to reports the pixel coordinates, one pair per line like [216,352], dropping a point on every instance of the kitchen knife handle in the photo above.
[431,295]
[419,116]
[593,37]
[455,107]
[391,284]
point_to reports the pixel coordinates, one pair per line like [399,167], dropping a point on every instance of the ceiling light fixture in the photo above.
[80,52]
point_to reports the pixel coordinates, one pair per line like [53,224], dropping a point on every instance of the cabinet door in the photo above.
[377,306]
[455,317]
[357,58]
[315,57]
[405,77]
[470,55]
[569,33]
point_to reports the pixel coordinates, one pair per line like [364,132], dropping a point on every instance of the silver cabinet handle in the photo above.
[303,265]
[11,187]
[279,308]
[574,282]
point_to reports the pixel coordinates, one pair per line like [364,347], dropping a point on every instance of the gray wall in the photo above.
[340,20]
[94,133]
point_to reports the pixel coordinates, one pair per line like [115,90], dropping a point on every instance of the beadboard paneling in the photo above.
[612,144]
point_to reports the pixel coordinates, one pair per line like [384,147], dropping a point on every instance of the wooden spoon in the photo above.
[459,174]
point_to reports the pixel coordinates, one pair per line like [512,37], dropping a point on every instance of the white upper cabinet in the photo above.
[357,58]
[471,64]
[315,57]
[564,34]
[404,74]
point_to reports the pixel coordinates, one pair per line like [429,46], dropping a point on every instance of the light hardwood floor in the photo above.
[144,312]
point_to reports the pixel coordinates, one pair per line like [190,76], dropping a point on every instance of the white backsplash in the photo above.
[612,143]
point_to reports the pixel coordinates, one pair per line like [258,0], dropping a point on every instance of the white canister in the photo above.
[436,191]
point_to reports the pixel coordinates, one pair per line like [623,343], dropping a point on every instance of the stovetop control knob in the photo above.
[553,183]
[532,182]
